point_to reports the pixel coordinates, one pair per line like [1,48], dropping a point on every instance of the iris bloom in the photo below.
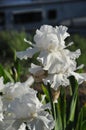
[54,57]
[10,91]
[46,39]
[21,107]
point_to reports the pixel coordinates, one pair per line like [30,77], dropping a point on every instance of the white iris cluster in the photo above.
[21,108]
[54,57]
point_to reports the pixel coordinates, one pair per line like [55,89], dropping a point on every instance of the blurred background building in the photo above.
[31,14]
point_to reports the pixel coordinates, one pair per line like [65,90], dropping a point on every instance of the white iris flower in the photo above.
[11,91]
[48,39]
[20,107]
[54,56]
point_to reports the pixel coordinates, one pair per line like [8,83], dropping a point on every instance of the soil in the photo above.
[82,93]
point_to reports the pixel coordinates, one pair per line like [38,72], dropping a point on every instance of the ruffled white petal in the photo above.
[79,77]
[75,55]
[80,67]
[27,54]
[1,110]
[34,69]
[22,127]
[63,32]
[56,80]
[50,38]
[53,62]
[1,83]
[44,122]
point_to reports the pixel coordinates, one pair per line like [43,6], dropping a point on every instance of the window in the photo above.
[52,14]
[2,18]
[27,17]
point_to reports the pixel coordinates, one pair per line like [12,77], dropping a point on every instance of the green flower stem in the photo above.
[51,101]
[53,106]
